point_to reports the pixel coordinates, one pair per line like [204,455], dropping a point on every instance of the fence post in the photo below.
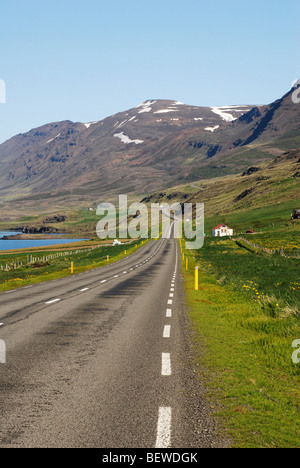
[196,279]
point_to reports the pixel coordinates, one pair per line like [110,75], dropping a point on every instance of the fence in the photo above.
[31,259]
[266,250]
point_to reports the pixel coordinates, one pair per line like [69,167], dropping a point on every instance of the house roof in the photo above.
[220,225]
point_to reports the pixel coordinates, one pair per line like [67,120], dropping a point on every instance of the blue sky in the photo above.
[85,60]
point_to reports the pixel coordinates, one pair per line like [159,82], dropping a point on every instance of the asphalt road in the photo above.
[103,360]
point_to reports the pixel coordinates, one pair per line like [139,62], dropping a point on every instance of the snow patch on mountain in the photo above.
[222,112]
[52,139]
[125,139]
[165,111]
[121,124]
[212,129]
[132,118]
[225,111]
[145,106]
[89,124]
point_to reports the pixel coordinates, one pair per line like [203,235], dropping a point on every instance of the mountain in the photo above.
[155,145]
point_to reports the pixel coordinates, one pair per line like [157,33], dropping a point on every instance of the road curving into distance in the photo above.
[103,359]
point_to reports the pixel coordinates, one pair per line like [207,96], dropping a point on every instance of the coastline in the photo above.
[34,236]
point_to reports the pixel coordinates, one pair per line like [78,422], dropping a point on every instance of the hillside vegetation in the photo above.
[260,198]
[246,314]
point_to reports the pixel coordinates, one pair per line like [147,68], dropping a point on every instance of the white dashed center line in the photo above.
[166,364]
[53,301]
[169,313]
[163,438]
[167,331]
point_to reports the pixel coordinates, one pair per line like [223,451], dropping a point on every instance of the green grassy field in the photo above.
[245,317]
[260,277]
[246,314]
[285,239]
[243,345]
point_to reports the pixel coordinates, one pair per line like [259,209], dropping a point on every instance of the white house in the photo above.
[117,242]
[222,231]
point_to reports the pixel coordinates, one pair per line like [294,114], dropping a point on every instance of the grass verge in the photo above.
[244,355]
[59,267]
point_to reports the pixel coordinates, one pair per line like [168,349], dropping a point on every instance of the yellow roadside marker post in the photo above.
[186,264]
[107,258]
[196,279]
[72,268]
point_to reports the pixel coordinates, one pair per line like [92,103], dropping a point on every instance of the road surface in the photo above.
[103,359]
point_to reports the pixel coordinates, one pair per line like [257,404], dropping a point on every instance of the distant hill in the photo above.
[260,196]
[156,145]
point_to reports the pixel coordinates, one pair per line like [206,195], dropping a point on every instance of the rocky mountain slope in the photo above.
[153,146]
